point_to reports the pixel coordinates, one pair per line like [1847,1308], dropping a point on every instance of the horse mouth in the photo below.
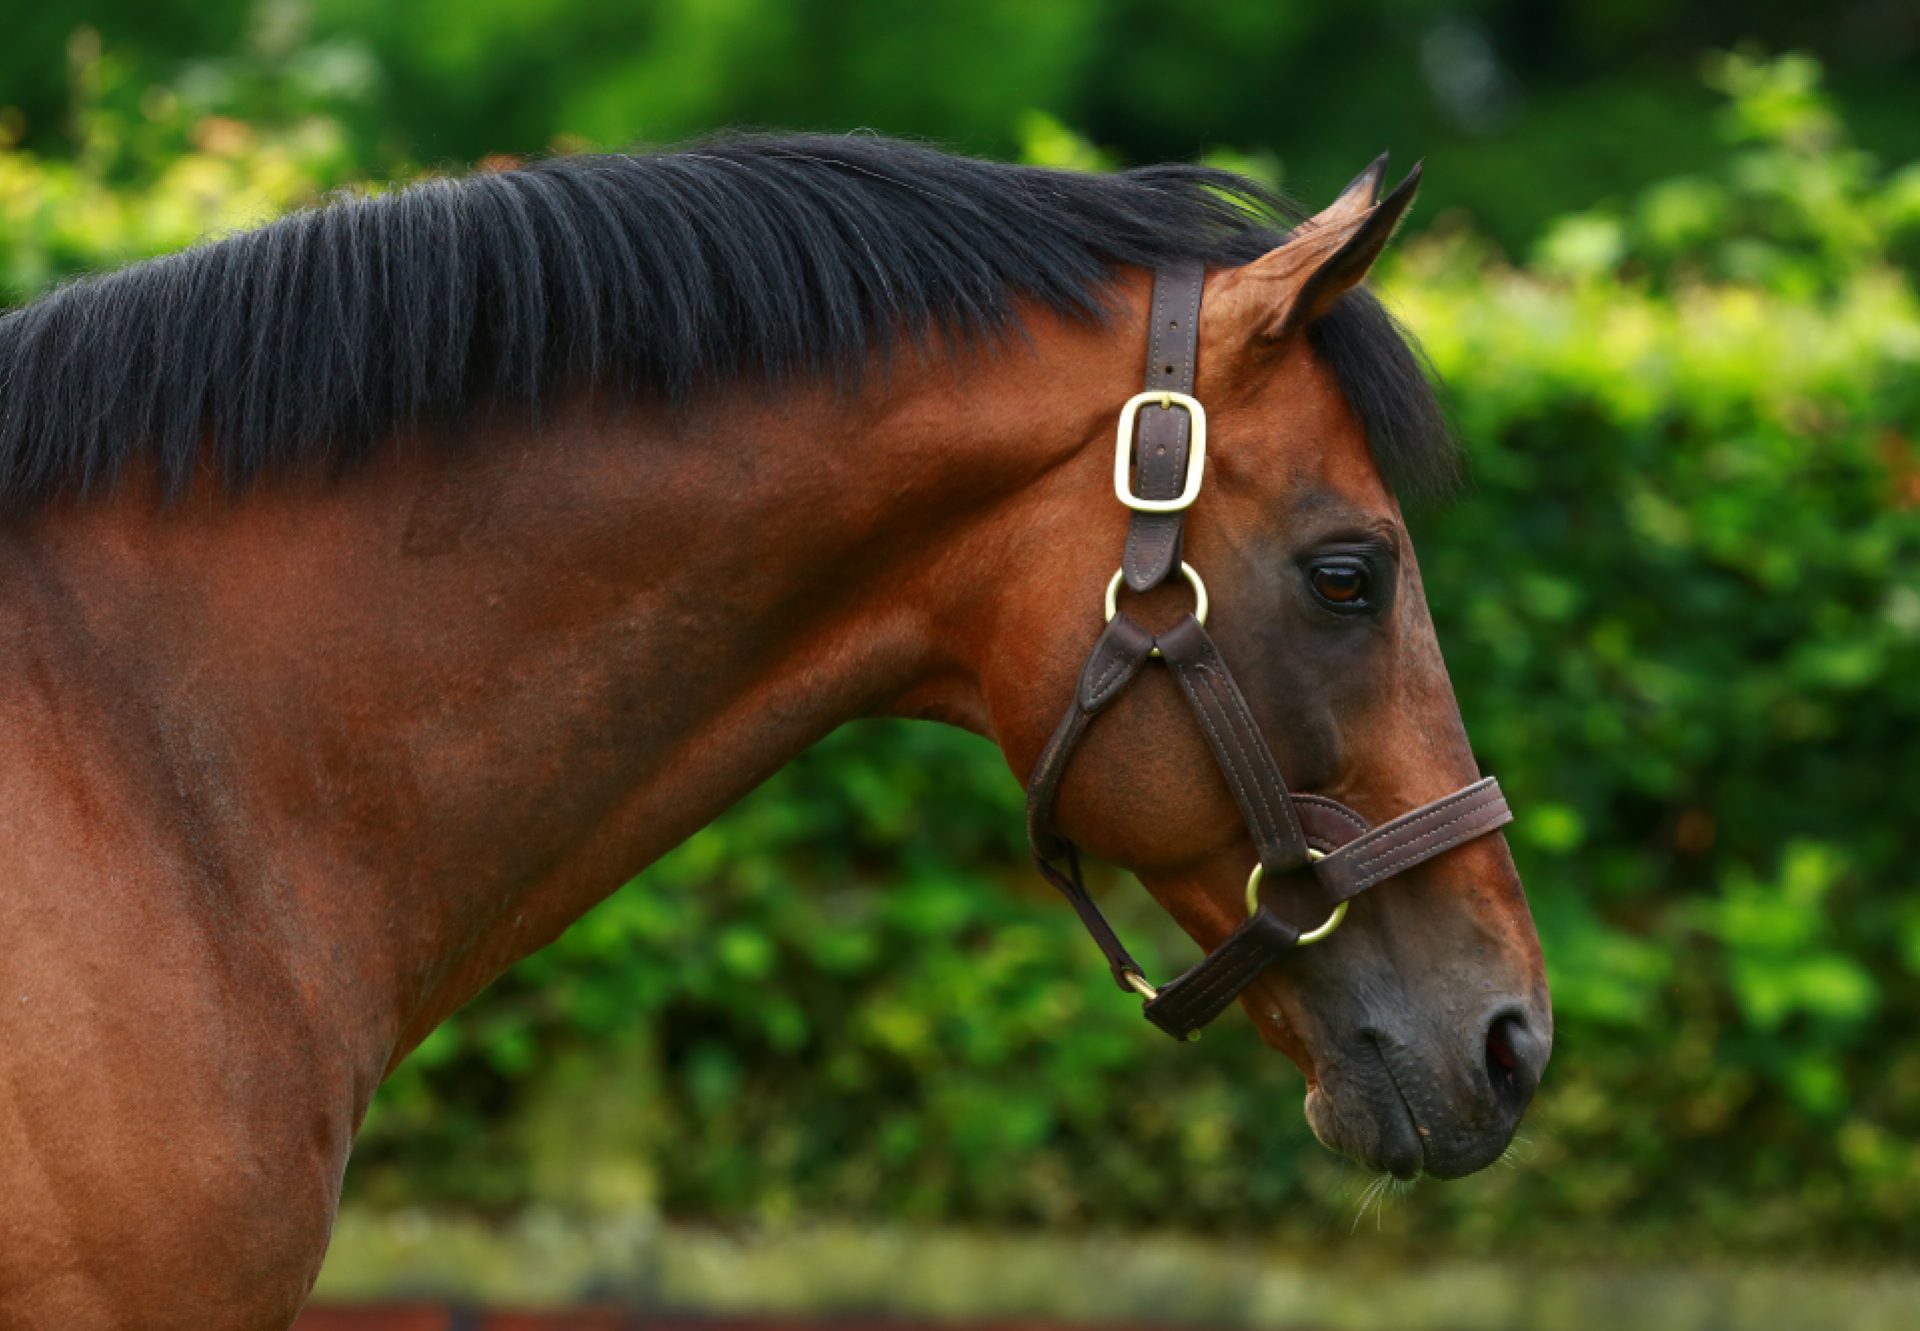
[1371,1121]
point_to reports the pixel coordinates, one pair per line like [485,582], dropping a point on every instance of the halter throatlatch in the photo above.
[1162,442]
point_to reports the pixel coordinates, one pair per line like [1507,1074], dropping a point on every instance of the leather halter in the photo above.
[1291,833]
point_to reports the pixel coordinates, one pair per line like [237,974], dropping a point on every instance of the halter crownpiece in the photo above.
[1162,440]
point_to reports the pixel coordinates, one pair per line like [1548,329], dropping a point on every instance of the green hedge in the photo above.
[1681,603]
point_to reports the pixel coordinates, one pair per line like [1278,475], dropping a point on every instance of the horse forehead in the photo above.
[1288,421]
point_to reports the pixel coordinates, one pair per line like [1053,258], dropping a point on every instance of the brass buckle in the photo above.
[1312,935]
[1123,451]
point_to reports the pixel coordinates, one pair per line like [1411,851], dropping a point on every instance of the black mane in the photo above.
[307,341]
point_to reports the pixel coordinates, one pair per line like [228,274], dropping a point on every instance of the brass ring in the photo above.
[1333,922]
[1312,935]
[1187,571]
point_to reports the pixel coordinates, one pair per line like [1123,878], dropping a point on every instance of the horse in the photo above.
[382,587]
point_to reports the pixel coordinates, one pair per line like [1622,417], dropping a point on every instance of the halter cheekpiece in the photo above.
[1162,443]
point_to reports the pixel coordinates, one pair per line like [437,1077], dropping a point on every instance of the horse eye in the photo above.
[1341,585]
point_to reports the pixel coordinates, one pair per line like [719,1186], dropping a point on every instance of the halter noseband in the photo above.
[1291,833]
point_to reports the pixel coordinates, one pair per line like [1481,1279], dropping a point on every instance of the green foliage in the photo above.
[1796,210]
[161,167]
[1523,112]
[1681,604]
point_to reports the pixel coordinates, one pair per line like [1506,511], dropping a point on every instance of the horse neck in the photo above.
[413,722]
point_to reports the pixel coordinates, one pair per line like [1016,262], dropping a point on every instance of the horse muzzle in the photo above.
[1407,1103]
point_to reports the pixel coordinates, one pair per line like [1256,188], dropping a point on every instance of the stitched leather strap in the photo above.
[1073,887]
[1160,451]
[1237,745]
[1187,1003]
[1413,838]
[1328,824]
[1114,661]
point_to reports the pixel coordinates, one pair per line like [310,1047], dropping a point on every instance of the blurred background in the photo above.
[842,1053]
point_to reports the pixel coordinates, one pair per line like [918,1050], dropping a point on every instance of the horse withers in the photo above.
[381,588]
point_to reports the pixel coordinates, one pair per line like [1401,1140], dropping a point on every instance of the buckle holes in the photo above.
[1168,370]
[1161,451]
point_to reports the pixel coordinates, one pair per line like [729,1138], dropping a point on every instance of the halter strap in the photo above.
[1291,833]
[1234,736]
[1165,433]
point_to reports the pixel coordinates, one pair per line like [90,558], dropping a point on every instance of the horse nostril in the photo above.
[1500,1045]
[1511,1050]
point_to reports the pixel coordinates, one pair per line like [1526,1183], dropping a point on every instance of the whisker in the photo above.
[1370,1201]
[1518,1151]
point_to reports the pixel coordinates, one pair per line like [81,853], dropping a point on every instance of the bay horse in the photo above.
[381,588]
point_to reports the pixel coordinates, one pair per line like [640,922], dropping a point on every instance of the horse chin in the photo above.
[1375,1131]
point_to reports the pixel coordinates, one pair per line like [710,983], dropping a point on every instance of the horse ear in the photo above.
[1285,290]
[1361,193]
